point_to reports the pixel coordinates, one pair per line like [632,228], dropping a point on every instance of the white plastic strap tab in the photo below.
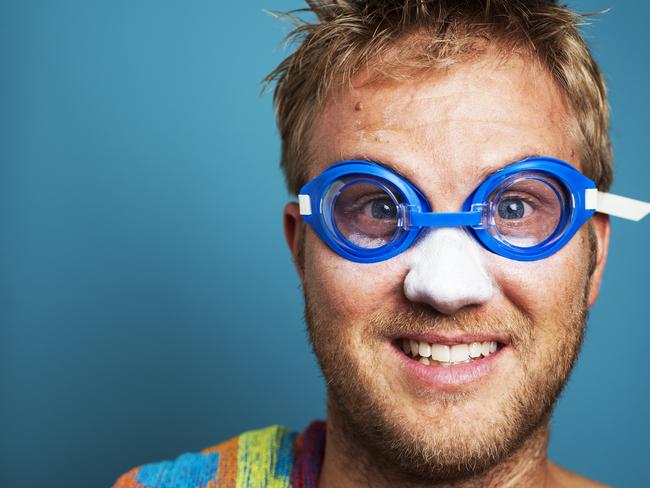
[591,198]
[304,202]
[616,205]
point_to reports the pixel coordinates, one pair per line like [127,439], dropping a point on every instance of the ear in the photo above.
[600,223]
[292,233]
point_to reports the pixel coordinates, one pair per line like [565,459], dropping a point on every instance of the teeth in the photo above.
[475,349]
[447,355]
[440,352]
[458,353]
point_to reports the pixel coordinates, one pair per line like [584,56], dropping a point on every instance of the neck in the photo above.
[349,465]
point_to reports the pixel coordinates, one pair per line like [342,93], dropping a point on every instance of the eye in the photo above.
[528,209]
[382,208]
[365,213]
[511,208]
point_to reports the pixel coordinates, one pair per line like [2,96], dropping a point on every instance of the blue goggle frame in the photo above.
[415,215]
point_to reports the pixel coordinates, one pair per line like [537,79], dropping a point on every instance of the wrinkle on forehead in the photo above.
[407,107]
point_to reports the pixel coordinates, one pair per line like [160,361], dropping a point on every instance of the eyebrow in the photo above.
[482,175]
[485,172]
[385,164]
[380,162]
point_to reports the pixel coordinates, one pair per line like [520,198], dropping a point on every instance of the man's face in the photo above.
[445,132]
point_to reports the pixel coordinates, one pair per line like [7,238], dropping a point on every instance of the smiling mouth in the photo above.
[434,354]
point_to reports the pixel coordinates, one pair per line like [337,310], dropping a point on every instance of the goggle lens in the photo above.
[365,212]
[528,210]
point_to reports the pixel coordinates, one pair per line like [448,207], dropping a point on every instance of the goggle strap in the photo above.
[304,203]
[618,206]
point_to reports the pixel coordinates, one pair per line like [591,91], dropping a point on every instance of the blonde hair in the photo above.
[349,36]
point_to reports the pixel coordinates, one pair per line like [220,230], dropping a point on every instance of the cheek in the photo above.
[551,286]
[349,290]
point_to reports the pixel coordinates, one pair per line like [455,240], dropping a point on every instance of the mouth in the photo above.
[445,355]
[448,362]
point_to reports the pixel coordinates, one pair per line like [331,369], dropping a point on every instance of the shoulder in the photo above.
[564,477]
[262,457]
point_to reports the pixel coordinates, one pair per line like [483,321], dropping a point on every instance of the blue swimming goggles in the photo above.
[526,211]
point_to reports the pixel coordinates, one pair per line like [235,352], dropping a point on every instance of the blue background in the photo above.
[145,313]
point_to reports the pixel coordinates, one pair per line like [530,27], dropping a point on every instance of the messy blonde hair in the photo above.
[349,36]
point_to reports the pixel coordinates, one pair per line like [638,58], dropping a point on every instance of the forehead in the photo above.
[446,125]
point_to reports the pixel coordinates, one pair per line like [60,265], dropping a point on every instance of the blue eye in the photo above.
[511,208]
[383,208]
[365,214]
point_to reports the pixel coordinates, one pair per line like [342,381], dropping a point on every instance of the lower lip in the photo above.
[450,377]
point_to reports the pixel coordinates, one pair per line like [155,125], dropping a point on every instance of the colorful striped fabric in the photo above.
[272,457]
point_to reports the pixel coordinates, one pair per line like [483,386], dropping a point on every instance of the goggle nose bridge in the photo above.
[478,217]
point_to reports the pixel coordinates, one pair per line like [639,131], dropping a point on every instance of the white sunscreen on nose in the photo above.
[447,271]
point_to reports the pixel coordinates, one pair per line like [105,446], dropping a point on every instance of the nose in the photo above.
[447,272]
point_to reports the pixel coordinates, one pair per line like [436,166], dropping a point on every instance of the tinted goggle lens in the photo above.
[364,212]
[529,210]
[526,210]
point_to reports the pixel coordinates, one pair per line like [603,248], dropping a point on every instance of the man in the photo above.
[448,261]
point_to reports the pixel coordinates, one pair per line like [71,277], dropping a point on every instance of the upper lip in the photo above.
[451,338]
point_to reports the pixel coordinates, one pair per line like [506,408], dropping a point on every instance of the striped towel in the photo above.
[273,457]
